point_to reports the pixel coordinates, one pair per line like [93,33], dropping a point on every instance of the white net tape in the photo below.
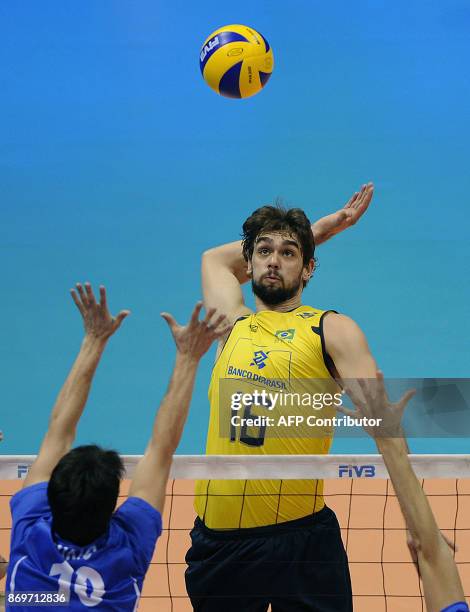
[241,467]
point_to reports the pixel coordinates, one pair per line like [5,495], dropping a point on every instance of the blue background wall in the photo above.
[119,165]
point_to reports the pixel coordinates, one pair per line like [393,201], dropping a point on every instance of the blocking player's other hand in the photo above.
[195,338]
[97,320]
[374,404]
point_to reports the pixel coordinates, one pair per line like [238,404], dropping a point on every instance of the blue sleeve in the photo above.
[27,506]
[460,606]
[143,525]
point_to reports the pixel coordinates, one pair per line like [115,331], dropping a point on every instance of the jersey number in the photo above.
[82,579]
[244,437]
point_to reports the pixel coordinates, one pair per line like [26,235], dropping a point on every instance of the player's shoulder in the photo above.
[309,317]
[460,606]
[240,314]
[134,508]
[335,322]
[342,333]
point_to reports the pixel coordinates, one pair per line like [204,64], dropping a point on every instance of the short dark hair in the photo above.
[278,219]
[83,492]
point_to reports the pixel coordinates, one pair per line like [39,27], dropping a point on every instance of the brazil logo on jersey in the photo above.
[285,334]
[306,315]
[258,359]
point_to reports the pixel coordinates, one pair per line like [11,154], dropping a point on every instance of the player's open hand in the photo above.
[371,401]
[195,338]
[97,320]
[327,227]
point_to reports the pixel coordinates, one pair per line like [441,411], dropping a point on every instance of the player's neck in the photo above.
[287,306]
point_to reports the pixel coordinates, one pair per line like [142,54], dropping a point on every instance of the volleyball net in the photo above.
[356,487]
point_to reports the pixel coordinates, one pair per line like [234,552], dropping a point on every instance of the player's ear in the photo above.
[249,269]
[308,270]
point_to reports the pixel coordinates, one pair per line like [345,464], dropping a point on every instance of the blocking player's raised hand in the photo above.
[97,320]
[99,326]
[327,227]
[195,338]
[372,402]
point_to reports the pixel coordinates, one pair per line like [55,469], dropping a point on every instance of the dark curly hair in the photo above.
[278,218]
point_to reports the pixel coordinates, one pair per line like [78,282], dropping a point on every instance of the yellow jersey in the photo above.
[280,353]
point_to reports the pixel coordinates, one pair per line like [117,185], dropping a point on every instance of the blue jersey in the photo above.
[460,606]
[107,574]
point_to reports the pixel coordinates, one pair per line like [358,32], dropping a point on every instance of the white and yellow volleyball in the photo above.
[236,61]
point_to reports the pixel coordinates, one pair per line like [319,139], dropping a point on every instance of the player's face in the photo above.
[277,270]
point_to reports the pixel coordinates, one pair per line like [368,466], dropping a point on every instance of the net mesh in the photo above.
[373,531]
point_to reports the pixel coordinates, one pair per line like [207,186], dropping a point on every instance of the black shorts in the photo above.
[296,566]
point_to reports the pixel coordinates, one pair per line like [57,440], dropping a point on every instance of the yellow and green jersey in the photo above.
[279,353]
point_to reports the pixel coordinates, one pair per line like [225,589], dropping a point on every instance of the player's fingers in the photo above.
[365,388]
[82,294]
[209,314]
[348,411]
[352,200]
[76,300]
[406,398]
[172,324]
[362,198]
[220,320]
[380,387]
[352,393]
[223,326]
[195,314]
[363,202]
[121,316]
[103,300]
[89,294]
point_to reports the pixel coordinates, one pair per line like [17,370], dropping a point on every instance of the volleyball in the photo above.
[236,61]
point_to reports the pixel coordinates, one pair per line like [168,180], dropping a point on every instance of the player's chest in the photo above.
[278,353]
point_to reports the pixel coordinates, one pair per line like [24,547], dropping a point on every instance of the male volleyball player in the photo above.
[441,582]
[274,542]
[66,538]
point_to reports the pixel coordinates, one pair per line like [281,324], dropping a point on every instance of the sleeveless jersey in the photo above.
[279,353]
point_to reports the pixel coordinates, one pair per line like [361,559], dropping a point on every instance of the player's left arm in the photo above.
[99,327]
[347,346]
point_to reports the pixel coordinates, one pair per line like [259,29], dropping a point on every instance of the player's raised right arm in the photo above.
[192,341]
[224,267]
[223,272]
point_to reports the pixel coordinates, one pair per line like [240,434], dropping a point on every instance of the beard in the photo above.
[273,295]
